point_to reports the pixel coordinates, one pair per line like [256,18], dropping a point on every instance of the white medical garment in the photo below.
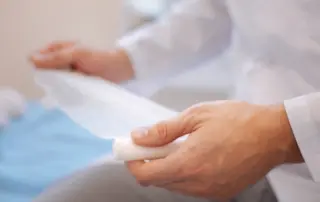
[274,47]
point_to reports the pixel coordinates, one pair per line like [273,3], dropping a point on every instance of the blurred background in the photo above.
[28,25]
[191,87]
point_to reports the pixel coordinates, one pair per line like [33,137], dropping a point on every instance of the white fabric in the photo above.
[107,111]
[110,111]
[12,105]
[275,52]
[97,105]
[124,149]
[206,31]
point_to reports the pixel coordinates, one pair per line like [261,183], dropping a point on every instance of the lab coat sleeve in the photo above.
[304,116]
[191,32]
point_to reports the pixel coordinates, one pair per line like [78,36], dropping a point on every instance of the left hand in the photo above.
[230,146]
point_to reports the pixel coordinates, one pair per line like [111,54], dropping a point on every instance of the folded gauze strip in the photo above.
[125,149]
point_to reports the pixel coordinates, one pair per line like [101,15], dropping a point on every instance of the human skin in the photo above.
[112,65]
[231,145]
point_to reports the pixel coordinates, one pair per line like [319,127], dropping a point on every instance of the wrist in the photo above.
[285,141]
[120,66]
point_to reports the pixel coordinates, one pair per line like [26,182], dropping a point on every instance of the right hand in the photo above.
[111,65]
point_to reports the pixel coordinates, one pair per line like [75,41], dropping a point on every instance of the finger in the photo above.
[154,172]
[164,132]
[56,46]
[59,59]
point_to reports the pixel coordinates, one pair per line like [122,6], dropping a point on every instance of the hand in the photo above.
[114,66]
[230,146]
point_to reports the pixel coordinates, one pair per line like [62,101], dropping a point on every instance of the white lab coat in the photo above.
[274,46]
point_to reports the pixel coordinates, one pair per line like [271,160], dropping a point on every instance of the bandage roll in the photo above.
[125,149]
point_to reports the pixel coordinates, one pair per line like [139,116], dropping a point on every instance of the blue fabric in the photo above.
[40,148]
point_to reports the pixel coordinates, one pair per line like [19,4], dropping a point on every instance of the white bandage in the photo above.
[125,149]
[12,104]
[4,119]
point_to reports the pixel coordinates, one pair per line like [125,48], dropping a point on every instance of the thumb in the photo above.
[162,133]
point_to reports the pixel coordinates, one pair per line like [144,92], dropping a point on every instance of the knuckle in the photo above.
[198,108]
[220,102]
[196,114]
[195,109]
[162,131]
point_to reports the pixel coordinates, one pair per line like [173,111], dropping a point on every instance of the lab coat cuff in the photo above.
[142,83]
[136,55]
[306,133]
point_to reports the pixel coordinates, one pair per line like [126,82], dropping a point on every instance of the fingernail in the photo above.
[140,132]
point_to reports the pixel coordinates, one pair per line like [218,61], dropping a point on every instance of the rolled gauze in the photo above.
[124,149]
